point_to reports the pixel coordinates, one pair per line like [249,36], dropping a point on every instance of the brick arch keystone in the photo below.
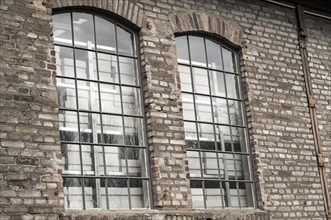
[127,9]
[204,22]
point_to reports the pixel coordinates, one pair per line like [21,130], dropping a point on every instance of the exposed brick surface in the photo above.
[281,141]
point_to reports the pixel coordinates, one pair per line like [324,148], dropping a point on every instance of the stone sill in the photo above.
[144,214]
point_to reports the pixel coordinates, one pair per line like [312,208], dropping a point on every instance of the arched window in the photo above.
[215,129]
[101,113]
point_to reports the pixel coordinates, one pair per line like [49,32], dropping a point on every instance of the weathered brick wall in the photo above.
[279,125]
[29,144]
[319,52]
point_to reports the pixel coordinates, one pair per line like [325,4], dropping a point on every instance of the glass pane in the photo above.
[66,93]
[197,194]
[209,164]
[194,163]
[200,78]
[229,60]
[206,136]
[139,193]
[239,140]
[136,161]
[245,195]
[185,78]
[89,127]
[223,138]
[188,107]
[131,101]
[217,85]
[203,108]
[83,30]
[86,67]
[94,194]
[221,162]
[107,65]
[128,71]
[125,42]
[115,160]
[197,51]
[71,159]
[235,112]
[88,95]
[92,157]
[182,50]
[136,193]
[105,34]
[68,126]
[73,193]
[118,194]
[242,166]
[232,86]
[191,140]
[110,98]
[62,29]
[112,129]
[234,194]
[134,131]
[220,109]
[213,194]
[229,166]
[64,61]
[214,55]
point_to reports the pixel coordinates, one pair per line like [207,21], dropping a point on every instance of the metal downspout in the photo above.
[312,109]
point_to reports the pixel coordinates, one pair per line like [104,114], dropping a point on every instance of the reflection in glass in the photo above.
[213,194]
[107,66]
[197,49]
[112,129]
[128,71]
[68,126]
[238,137]
[106,40]
[73,193]
[64,61]
[220,111]
[191,140]
[89,127]
[194,162]
[185,78]
[203,108]
[86,67]
[223,138]
[214,55]
[92,157]
[118,193]
[88,95]
[206,136]
[188,107]
[83,30]
[232,86]
[139,193]
[235,112]
[182,50]
[200,78]
[66,93]
[197,194]
[131,101]
[62,29]
[71,159]
[133,131]
[229,60]
[217,85]
[209,164]
[125,42]
[110,98]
